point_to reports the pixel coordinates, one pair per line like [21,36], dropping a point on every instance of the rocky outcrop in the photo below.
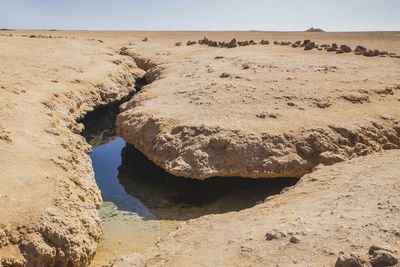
[190,146]
[204,152]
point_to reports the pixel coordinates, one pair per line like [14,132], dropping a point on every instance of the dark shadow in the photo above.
[100,123]
[174,198]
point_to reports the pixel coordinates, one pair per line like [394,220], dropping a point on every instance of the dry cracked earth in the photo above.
[330,119]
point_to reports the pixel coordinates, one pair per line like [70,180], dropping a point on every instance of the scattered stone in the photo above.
[323,104]
[356,99]
[178,44]
[309,46]
[331,49]
[191,43]
[382,256]
[264,42]
[245,66]
[225,75]
[375,248]
[334,45]
[360,50]
[349,260]
[285,43]
[243,43]
[123,51]
[345,48]
[270,236]
[232,44]
[386,91]
[145,39]
[339,51]
[294,240]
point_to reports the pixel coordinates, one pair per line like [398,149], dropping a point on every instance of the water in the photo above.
[142,202]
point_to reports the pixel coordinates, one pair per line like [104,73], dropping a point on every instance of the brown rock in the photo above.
[349,260]
[225,75]
[345,48]
[191,43]
[382,256]
[360,50]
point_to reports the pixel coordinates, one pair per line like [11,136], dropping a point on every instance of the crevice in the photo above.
[100,123]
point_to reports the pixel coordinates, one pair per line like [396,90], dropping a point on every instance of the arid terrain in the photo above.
[253,111]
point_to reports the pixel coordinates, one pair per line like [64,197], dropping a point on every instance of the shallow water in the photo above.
[127,224]
[142,202]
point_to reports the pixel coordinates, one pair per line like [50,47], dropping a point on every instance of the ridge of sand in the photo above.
[48,195]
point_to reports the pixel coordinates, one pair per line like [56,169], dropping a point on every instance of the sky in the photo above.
[267,15]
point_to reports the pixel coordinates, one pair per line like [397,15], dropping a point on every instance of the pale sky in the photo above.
[279,15]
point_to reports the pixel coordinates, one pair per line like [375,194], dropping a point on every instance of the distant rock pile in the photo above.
[306,44]
[232,44]
[314,30]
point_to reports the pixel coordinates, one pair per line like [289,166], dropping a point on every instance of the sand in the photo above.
[329,108]
[259,111]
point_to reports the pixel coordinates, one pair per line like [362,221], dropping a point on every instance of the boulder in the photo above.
[360,50]
[309,46]
[349,260]
[345,48]
[232,44]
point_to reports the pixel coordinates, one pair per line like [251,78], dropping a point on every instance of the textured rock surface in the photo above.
[48,195]
[204,115]
[345,214]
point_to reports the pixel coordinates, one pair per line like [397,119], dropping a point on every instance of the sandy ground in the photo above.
[347,207]
[259,111]
[338,104]
[48,195]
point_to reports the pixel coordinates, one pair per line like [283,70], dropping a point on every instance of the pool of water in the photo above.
[127,224]
[142,202]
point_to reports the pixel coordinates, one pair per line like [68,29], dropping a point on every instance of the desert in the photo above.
[223,113]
